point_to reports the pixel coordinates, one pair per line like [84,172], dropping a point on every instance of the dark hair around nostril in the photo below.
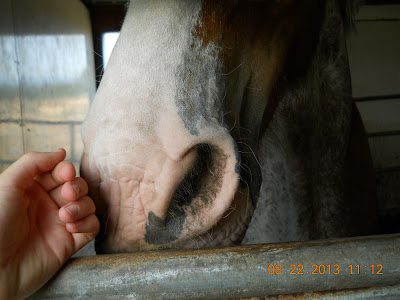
[159,231]
[191,185]
[203,181]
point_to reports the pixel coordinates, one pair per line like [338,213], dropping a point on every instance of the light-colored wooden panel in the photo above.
[54,108]
[46,75]
[374,56]
[11,147]
[385,151]
[9,83]
[77,169]
[380,115]
[44,137]
[388,189]
[3,167]
[78,143]
[50,17]
[53,59]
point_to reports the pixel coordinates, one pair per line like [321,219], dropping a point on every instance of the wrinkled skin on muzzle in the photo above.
[171,137]
[161,164]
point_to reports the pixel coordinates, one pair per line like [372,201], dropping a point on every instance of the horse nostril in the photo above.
[197,190]
[204,179]
[192,183]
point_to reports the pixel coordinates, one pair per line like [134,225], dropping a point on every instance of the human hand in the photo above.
[39,227]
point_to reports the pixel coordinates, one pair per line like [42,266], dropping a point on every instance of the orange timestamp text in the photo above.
[322,269]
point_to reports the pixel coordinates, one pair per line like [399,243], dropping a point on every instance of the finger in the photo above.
[84,231]
[23,171]
[90,224]
[77,210]
[63,172]
[69,191]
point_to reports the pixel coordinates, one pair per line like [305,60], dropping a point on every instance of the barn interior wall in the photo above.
[46,77]
[374,56]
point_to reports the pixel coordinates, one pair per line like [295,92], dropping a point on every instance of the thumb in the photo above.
[24,170]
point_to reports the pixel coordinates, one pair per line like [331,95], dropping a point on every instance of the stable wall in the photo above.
[374,56]
[46,77]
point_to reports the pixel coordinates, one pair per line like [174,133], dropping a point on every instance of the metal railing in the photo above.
[366,266]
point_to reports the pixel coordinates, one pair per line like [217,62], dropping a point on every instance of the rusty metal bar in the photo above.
[363,262]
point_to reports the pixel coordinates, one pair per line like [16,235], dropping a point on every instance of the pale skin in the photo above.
[45,217]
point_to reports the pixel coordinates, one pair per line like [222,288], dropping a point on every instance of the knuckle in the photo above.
[30,155]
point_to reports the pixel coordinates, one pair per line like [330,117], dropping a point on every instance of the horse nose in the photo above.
[188,193]
[162,178]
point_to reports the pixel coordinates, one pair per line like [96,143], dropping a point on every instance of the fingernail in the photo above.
[76,188]
[58,150]
[73,210]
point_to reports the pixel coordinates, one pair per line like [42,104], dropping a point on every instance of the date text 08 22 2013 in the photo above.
[322,269]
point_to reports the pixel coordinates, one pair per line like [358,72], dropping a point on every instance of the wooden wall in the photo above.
[46,77]
[374,54]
